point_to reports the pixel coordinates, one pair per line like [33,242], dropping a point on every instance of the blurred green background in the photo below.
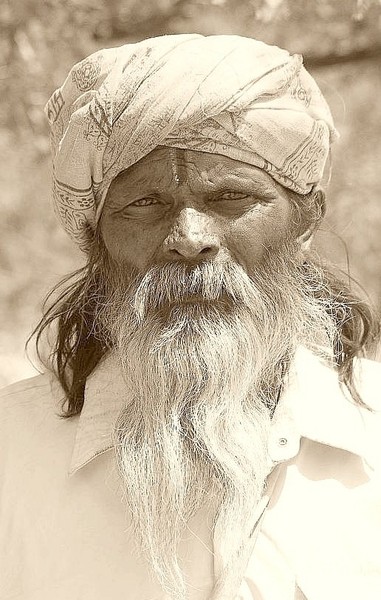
[41,39]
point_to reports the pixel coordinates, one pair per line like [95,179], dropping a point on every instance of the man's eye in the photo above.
[144,202]
[232,196]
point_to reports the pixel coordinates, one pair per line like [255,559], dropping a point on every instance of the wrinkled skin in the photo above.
[181,205]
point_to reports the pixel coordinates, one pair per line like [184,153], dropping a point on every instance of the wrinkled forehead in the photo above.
[172,167]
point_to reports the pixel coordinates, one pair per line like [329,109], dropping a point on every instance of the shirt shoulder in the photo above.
[367,377]
[36,442]
[368,383]
[29,405]
[36,392]
[19,387]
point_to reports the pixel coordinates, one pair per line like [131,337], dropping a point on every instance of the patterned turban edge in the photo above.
[222,94]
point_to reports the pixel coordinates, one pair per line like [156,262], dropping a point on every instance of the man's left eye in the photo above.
[232,196]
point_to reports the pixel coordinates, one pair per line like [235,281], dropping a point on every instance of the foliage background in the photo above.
[41,39]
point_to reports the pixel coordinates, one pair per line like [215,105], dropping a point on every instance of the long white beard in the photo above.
[201,350]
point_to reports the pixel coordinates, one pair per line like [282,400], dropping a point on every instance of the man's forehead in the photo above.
[177,166]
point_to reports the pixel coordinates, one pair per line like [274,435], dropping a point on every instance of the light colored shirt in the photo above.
[65,531]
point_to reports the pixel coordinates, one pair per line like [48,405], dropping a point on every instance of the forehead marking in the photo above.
[177,156]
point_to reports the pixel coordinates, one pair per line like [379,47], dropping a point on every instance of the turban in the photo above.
[223,94]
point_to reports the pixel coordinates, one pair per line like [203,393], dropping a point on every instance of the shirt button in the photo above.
[282,441]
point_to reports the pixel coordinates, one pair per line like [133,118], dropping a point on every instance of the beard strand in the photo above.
[203,351]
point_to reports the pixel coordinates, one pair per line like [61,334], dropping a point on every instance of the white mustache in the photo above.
[179,283]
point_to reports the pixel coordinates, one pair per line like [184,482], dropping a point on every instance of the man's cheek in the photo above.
[250,243]
[245,247]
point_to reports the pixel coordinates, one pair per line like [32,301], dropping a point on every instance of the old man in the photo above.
[205,428]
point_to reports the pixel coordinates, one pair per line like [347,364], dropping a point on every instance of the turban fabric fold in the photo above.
[222,94]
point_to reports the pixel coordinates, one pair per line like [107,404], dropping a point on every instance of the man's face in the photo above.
[185,206]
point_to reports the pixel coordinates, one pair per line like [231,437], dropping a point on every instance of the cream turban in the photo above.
[223,94]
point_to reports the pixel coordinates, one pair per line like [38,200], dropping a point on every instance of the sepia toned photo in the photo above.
[190,300]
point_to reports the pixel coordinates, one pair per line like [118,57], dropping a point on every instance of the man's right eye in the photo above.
[150,207]
[144,202]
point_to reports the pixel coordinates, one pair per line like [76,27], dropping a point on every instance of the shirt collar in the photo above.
[316,406]
[313,406]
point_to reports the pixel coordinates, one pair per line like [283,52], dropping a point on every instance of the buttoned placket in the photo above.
[284,444]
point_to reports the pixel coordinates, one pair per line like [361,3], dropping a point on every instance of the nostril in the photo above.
[189,248]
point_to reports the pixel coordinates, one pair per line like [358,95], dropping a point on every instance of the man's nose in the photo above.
[191,237]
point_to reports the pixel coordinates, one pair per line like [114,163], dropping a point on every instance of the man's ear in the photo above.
[305,238]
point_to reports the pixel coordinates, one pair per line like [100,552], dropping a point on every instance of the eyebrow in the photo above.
[248,182]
